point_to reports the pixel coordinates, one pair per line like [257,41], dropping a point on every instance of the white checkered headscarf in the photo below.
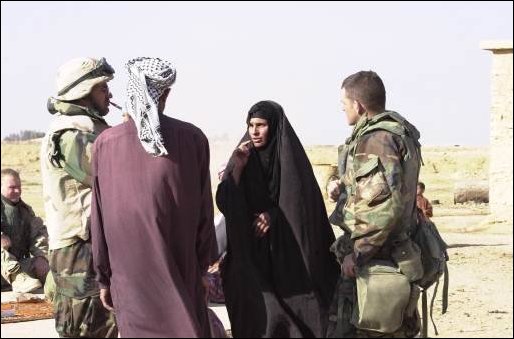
[148,79]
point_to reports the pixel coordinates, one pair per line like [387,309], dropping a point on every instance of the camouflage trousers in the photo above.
[31,266]
[78,309]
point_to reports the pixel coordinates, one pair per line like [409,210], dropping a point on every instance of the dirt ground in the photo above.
[480,298]
[480,271]
[480,304]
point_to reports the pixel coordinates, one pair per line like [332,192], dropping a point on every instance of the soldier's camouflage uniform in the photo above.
[379,168]
[66,170]
[29,239]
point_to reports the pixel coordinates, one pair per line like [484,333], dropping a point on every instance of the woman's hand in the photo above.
[262,223]
[240,157]
[241,154]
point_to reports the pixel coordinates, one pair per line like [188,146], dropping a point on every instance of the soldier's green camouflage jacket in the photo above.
[27,232]
[66,171]
[380,176]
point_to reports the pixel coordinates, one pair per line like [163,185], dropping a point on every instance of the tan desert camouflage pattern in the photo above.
[66,171]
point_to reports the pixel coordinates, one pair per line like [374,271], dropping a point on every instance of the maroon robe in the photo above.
[424,205]
[152,229]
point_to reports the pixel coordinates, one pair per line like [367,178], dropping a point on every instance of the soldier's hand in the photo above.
[349,266]
[6,242]
[262,223]
[333,190]
[105,297]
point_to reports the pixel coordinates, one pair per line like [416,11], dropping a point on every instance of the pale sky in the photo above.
[228,56]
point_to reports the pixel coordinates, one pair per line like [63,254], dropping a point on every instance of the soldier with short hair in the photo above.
[379,174]
[24,239]
[79,108]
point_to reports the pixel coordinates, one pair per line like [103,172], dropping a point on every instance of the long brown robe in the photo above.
[152,229]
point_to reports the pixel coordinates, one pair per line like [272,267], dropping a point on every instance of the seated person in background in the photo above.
[422,202]
[213,274]
[219,222]
[24,239]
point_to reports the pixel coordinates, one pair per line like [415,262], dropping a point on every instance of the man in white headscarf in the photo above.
[152,213]
[149,80]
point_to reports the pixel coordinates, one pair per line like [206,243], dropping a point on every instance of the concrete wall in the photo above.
[501,160]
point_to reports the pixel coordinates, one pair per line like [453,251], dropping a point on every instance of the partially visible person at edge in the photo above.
[152,213]
[216,288]
[24,239]
[278,274]
[78,112]
[379,171]
[423,204]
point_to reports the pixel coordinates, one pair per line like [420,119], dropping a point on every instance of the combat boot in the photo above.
[21,282]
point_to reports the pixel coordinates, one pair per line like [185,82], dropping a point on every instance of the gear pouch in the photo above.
[383,294]
[407,256]
[371,182]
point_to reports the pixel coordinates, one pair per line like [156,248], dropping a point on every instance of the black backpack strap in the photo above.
[445,288]
[424,302]
[55,156]
[424,306]
[432,306]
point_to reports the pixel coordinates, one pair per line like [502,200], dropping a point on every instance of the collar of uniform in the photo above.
[10,203]
[364,122]
[376,118]
[359,126]
[57,106]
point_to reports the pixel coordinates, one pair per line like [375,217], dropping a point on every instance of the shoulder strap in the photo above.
[424,307]
[387,125]
[55,155]
[424,304]
[432,306]
[446,284]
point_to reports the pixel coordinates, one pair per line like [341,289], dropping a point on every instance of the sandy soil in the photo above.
[480,300]
[480,252]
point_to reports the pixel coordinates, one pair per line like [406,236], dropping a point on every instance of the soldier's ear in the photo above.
[357,106]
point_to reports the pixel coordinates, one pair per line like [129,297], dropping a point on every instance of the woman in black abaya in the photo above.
[278,275]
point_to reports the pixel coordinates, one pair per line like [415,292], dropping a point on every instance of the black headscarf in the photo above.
[268,155]
[290,274]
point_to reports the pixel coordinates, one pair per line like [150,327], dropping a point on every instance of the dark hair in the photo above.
[11,172]
[367,88]
[422,185]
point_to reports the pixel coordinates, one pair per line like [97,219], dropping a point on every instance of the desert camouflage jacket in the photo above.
[382,162]
[66,171]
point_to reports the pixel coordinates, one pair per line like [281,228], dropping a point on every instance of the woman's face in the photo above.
[258,129]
